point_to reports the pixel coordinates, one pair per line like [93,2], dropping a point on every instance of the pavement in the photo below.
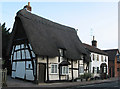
[20,83]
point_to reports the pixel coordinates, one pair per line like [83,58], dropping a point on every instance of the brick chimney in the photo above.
[28,7]
[94,42]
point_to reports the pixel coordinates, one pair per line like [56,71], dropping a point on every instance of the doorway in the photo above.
[42,72]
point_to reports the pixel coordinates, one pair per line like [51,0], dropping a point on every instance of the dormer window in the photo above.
[62,52]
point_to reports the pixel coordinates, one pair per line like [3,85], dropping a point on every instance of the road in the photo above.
[110,85]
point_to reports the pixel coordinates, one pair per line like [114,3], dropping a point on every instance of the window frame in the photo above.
[97,57]
[102,58]
[80,69]
[66,72]
[98,70]
[54,69]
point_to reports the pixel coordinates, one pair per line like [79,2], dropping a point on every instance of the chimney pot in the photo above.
[28,3]
[28,7]
[94,42]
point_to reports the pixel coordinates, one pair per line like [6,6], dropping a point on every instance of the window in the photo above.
[81,70]
[65,70]
[93,69]
[28,65]
[54,68]
[102,58]
[97,69]
[61,52]
[93,57]
[104,69]
[105,59]
[97,57]
[118,69]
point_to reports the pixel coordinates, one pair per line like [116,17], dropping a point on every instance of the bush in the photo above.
[87,75]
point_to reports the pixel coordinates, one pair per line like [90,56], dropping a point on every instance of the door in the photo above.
[42,72]
[113,72]
[110,72]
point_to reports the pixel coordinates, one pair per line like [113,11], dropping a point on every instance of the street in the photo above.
[110,85]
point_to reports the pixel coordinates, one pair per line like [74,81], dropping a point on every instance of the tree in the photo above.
[5,42]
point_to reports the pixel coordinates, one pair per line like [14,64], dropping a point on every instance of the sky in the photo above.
[90,18]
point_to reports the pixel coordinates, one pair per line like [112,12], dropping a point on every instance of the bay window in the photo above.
[65,70]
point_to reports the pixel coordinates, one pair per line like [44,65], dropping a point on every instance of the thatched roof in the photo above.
[46,37]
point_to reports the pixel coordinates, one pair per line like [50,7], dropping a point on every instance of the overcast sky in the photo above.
[90,18]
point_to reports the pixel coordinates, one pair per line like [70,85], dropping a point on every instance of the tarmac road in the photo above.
[110,85]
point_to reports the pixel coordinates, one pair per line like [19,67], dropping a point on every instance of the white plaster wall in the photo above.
[56,76]
[29,75]
[96,63]
[20,70]
[51,61]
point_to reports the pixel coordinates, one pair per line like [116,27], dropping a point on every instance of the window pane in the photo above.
[18,55]
[27,54]
[52,68]
[81,70]
[23,54]
[61,52]
[55,68]
[104,69]
[63,69]
[66,69]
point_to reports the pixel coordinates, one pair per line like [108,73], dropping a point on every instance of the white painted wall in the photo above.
[55,61]
[96,63]
[20,70]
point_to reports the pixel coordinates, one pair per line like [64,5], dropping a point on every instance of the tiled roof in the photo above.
[94,49]
[111,53]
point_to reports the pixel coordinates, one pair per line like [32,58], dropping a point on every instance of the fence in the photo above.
[3,77]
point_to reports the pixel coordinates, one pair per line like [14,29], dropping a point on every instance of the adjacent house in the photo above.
[113,62]
[41,50]
[98,65]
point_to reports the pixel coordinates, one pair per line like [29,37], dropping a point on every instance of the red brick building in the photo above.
[113,62]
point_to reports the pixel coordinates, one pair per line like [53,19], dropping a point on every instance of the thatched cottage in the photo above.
[41,50]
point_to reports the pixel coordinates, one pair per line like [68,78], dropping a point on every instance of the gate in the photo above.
[3,77]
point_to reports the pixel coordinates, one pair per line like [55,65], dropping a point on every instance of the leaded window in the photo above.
[54,68]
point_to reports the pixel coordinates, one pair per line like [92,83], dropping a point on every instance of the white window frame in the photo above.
[81,67]
[54,69]
[66,68]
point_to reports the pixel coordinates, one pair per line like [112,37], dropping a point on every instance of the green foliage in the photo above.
[85,76]
[5,42]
